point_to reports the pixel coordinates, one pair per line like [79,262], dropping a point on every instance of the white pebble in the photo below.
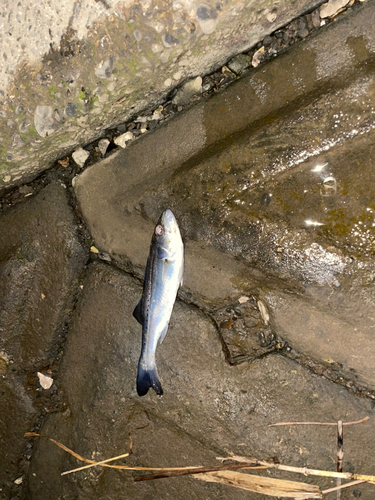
[80,156]
[263,312]
[103,145]
[122,139]
[243,299]
[330,8]
[45,381]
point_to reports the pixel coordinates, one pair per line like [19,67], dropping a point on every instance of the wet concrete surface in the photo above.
[280,212]
[208,409]
[274,321]
[40,266]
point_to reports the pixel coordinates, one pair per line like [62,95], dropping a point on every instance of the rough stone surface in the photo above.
[206,412]
[40,263]
[64,65]
[274,214]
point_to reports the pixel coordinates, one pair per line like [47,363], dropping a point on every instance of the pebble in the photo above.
[80,156]
[263,312]
[169,40]
[258,57]
[103,145]
[243,299]
[239,64]
[104,70]
[43,120]
[332,7]
[45,381]
[122,139]
[187,91]
[157,114]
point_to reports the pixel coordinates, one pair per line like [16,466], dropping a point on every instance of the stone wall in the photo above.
[70,70]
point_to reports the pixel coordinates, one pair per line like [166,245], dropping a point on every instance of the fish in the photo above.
[163,277]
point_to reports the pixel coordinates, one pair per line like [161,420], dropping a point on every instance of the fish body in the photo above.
[163,276]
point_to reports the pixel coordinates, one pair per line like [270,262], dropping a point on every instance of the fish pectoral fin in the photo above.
[137,313]
[163,334]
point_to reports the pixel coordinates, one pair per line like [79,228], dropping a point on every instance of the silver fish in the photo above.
[163,277]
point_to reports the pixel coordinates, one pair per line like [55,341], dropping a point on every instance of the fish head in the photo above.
[167,236]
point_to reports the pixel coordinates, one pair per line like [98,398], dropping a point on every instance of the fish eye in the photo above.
[159,230]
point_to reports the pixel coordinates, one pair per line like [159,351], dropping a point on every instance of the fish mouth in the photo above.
[168,221]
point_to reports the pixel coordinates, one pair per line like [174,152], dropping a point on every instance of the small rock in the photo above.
[263,312]
[45,381]
[267,40]
[258,57]
[43,121]
[207,18]
[303,33]
[141,119]
[103,145]
[185,93]
[122,139]
[58,116]
[104,70]
[121,128]
[93,249]
[169,40]
[243,299]
[138,35]
[239,64]
[80,156]
[19,480]
[157,114]
[332,7]
[24,126]
[71,109]
[143,128]
[315,18]
[271,17]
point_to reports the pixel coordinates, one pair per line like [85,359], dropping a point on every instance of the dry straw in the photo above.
[226,473]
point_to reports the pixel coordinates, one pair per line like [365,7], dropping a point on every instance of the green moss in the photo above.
[51,90]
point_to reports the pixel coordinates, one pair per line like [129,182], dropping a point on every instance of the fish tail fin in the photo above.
[146,378]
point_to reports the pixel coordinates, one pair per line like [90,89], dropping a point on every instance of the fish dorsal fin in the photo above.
[163,334]
[137,313]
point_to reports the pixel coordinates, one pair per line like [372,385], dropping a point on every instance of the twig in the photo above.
[340,455]
[320,423]
[200,470]
[119,101]
[347,485]
[245,463]
[94,464]
[303,470]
